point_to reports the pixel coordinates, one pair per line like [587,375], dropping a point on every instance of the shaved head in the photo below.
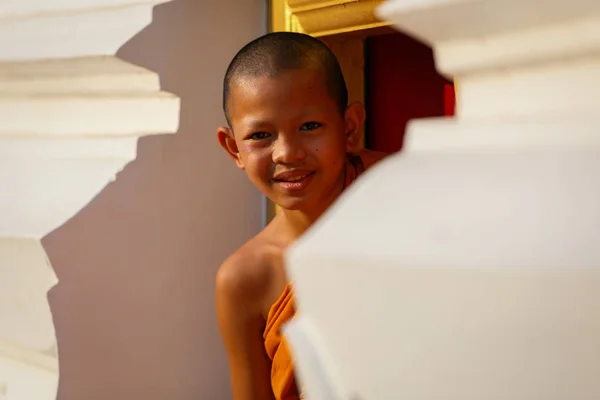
[278,52]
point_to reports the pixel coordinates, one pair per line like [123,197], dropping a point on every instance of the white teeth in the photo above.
[297,179]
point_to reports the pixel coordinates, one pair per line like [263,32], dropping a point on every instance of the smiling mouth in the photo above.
[293,179]
[296,179]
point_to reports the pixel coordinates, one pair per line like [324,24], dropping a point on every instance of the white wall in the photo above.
[134,308]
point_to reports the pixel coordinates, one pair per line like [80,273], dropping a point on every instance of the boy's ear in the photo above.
[227,142]
[355,127]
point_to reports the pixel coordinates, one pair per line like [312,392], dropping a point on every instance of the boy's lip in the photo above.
[294,183]
[292,176]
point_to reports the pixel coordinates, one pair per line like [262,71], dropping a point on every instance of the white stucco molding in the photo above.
[467,266]
[71,112]
[512,48]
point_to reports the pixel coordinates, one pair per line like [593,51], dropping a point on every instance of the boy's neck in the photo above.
[298,221]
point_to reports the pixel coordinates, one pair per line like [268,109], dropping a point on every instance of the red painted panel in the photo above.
[449,100]
[401,84]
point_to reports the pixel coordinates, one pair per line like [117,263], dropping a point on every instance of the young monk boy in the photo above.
[291,129]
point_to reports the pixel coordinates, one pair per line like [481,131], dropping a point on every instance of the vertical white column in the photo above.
[70,115]
[468,266]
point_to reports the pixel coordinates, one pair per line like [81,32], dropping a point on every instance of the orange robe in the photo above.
[283,380]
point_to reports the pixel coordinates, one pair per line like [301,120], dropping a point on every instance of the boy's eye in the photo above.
[259,135]
[310,126]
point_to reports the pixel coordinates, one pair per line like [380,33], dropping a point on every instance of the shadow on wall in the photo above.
[134,309]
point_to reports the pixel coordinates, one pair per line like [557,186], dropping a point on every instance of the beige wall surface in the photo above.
[134,308]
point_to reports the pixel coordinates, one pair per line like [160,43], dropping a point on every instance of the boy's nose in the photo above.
[288,150]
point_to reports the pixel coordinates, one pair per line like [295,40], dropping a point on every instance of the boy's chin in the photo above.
[293,204]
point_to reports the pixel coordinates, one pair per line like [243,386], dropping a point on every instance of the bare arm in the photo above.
[241,325]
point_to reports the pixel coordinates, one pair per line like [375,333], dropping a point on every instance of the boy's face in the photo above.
[291,138]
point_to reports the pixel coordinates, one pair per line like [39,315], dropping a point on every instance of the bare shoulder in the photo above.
[370,157]
[245,276]
[242,284]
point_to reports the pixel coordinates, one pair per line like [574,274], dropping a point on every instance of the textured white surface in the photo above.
[22,380]
[311,360]
[70,116]
[467,267]
[454,215]
[534,56]
[84,32]
[55,177]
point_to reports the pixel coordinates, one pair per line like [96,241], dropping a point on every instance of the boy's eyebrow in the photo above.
[255,124]
[250,123]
